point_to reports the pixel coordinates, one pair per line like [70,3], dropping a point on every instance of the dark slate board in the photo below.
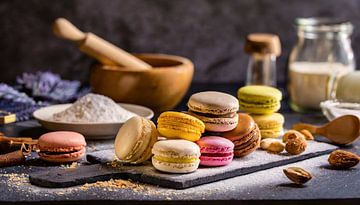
[259,160]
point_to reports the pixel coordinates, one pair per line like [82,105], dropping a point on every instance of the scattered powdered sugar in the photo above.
[94,108]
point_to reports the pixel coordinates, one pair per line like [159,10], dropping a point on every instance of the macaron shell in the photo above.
[61,141]
[217,124]
[270,121]
[130,136]
[215,161]
[260,93]
[181,118]
[172,133]
[180,125]
[215,144]
[176,148]
[147,153]
[63,157]
[245,125]
[259,99]
[213,102]
[180,168]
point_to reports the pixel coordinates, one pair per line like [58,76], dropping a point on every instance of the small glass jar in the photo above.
[263,49]
[322,54]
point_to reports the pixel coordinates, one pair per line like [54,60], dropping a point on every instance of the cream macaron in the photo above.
[176,156]
[135,140]
[216,109]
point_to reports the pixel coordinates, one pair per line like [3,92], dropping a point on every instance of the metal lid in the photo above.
[263,43]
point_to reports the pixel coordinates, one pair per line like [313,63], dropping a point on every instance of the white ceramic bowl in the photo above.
[93,130]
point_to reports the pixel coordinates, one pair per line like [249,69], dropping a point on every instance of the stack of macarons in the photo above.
[262,103]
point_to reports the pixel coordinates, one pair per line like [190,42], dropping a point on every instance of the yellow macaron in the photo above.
[271,126]
[180,125]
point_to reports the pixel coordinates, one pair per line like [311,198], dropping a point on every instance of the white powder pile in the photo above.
[94,108]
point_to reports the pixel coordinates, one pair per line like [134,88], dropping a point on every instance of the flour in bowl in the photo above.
[94,108]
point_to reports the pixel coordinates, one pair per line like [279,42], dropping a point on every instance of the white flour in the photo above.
[94,108]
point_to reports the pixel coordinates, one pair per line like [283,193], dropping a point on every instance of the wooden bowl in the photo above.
[160,88]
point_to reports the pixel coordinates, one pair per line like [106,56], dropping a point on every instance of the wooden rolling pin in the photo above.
[94,46]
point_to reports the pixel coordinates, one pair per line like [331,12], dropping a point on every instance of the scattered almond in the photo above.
[341,159]
[272,145]
[307,134]
[292,134]
[297,175]
[295,146]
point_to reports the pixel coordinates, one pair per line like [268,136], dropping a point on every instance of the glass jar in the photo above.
[263,49]
[321,55]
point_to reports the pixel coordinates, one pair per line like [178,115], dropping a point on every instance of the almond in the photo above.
[307,134]
[341,159]
[295,146]
[292,134]
[297,175]
[272,145]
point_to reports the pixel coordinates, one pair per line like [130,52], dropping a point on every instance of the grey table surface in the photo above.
[264,187]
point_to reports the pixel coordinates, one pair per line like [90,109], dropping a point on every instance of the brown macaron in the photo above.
[61,146]
[246,136]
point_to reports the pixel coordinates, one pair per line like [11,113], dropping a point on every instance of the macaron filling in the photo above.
[216,154]
[44,153]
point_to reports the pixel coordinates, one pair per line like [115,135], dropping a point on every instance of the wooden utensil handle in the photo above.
[102,50]
[110,54]
[301,126]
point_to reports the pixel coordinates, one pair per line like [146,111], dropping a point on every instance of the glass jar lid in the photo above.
[327,25]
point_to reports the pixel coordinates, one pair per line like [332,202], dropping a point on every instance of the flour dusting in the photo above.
[94,108]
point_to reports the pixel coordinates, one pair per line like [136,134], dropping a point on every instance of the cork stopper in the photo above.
[263,43]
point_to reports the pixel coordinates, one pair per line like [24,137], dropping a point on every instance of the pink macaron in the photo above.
[215,151]
[61,146]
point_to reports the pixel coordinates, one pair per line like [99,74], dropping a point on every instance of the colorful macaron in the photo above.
[135,140]
[180,125]
[216,109]
[271,126]
[176,156]
[215,151]
[61,146]
[259,99]
[246,136]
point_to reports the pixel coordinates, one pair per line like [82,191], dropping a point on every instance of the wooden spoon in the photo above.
[94,46]
[342,130]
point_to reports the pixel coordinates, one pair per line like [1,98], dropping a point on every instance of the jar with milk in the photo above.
[322,54]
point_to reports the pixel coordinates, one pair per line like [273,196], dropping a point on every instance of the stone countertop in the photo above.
[264,187]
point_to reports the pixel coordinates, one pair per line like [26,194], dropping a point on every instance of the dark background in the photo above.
[209,32]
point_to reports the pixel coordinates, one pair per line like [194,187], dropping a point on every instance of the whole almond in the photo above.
[272,145]
[295,146]
[341,159]
[307,134]
[292,134]
[297,175]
